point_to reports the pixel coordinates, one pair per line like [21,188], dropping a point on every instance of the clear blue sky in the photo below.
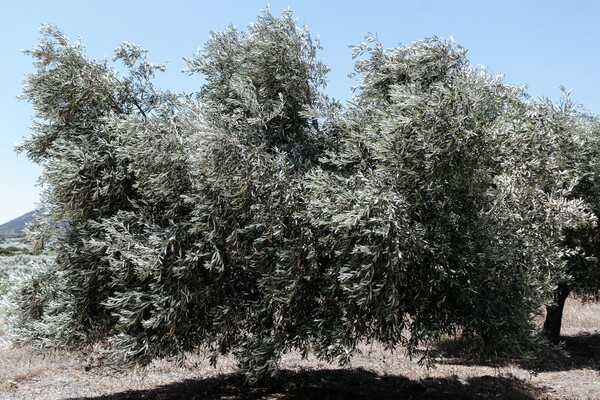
[541,44]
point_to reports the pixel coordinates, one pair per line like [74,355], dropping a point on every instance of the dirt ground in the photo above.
[375,374]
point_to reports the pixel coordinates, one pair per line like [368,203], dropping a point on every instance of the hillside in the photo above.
[16,227]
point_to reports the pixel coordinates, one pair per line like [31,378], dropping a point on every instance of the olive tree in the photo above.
[583,272]
[258,216]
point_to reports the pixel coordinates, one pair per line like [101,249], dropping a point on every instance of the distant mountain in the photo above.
[16,227]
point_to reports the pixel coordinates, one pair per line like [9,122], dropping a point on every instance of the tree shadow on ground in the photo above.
[580,351]
[338,384]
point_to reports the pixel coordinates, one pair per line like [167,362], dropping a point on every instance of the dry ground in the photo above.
[375,374]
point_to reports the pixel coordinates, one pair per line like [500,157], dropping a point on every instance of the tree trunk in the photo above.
[554,314]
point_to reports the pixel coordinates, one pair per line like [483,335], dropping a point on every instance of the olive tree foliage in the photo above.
[448,204]
[114,163]
[257,216]
[583,270]
[264,84]
[269,123]
[170,215]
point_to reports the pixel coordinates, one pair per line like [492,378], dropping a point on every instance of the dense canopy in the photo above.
[258,215]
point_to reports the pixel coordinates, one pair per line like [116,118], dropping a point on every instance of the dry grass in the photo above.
[375,374]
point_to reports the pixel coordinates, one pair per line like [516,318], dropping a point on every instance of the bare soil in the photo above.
[375,374]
